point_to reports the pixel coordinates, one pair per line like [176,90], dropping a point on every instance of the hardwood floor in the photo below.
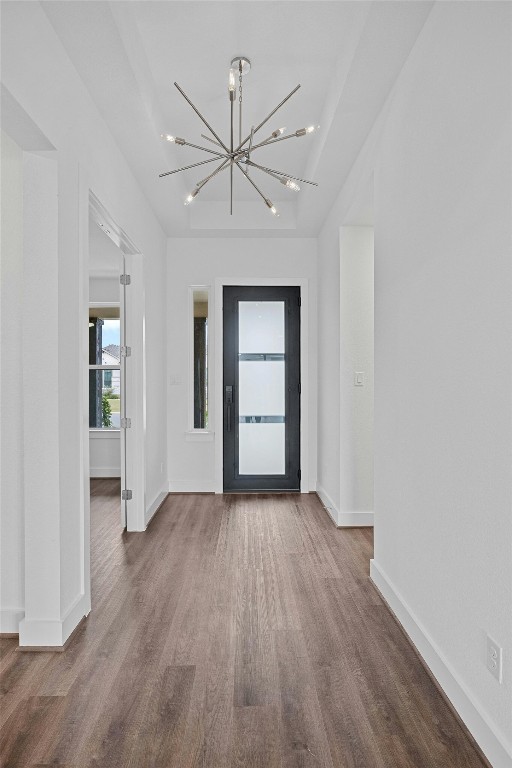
[238,631]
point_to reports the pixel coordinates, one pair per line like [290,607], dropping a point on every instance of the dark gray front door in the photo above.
[261,388]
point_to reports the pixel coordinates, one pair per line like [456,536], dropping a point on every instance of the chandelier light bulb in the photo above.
[231,84]
[189,198]
[271,207]
[291,184]
[278,132]
[312,128]
[168,137]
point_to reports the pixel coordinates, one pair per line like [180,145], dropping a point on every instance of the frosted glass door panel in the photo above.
[261,449]
[261,327]
[261,388]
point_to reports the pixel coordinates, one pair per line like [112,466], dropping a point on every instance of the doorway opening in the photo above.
[116,282]
[106,375]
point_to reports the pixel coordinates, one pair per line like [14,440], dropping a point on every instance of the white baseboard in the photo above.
[189,486]
[328,503]
[105,472]
[344,519]
[491,741]
[155,506]
[10,620]
[355,520]
[42,633]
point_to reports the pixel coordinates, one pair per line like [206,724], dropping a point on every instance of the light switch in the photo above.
[358,378]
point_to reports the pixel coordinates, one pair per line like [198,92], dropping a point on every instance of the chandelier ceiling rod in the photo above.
[236,156]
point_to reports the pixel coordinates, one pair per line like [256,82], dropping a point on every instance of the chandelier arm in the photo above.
[221,167]
[267,142]
[260,168]
[203,136]
[186,167]
[269,116]
[201,117]
[204,149]
[258,190]
[281,174]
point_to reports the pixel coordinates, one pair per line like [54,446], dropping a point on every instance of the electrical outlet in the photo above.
[494,659]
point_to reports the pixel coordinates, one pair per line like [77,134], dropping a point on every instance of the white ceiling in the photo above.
[345,55]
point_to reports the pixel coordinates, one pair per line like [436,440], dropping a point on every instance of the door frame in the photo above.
[217,356]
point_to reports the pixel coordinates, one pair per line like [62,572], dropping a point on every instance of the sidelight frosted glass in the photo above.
[260,327]
[261,449]
[261,388]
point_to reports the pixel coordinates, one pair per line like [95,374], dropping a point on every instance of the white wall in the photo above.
[87,158]
[11,430]
[45,408]
[356,364]
[104,289]
[199,262]
[105,453]
[345,345]
[328,480]
[443,366]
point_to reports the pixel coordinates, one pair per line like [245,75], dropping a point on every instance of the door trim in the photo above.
[217,355]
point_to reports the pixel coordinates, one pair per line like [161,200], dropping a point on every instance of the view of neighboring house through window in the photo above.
[104,369]
[200,357]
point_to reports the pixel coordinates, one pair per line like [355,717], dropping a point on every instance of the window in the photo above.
[104,368]
[199,358]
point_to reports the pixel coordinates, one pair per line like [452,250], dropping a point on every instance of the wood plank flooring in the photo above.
[237,632]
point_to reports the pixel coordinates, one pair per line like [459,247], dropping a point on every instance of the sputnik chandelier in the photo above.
[240,155]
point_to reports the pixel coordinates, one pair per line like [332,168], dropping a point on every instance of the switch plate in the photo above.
[358,378]
[494,659]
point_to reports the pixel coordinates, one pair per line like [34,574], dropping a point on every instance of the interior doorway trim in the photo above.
[217,353]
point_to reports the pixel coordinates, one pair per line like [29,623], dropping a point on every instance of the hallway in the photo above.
[237,631]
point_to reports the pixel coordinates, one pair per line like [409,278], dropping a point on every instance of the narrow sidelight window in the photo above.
[200,357]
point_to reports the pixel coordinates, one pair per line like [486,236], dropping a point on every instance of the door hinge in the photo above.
[126,423]
[299,474]
[299,388]
[125,279]
[126,495]
[126,351]
[299,302]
